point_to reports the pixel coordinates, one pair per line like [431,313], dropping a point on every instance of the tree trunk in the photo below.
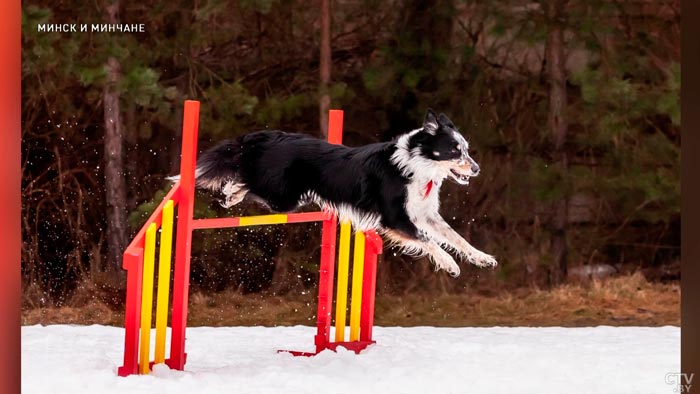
[556,71]
[325,67]
[115,184]
[131,154]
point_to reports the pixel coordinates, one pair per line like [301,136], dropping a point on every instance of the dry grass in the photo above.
[622,301]
[94,313]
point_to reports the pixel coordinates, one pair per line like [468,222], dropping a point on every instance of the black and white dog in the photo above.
[392,187]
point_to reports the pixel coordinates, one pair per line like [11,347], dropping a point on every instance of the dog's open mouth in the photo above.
[459,178]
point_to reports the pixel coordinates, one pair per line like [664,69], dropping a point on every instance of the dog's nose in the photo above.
[475,169]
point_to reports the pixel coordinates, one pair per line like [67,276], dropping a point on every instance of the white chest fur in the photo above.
[422,200]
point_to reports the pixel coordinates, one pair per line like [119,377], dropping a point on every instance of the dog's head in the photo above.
[441,150]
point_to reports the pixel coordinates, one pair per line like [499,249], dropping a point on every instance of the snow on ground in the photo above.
[84,359]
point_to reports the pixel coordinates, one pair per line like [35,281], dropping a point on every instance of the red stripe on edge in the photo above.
[10,204]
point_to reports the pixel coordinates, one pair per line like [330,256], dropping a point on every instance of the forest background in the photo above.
[571,107]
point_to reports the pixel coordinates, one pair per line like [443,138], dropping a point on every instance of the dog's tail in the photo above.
[217,166]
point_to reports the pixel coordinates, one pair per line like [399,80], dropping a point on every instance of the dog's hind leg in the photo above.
[437,229]
[417,247]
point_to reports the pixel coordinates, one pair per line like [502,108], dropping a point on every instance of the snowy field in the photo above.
[84,359]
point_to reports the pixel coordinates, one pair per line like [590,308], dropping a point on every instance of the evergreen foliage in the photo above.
[254,65]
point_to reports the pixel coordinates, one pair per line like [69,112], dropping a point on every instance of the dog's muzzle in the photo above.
[464,169]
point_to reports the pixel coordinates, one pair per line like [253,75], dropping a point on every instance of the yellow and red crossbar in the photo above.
[140,264]
[244,221]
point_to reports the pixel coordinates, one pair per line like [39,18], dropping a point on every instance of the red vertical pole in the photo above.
[335,126]
[183,241]
[325,283]
[373,247]
[132,263]
[328,240]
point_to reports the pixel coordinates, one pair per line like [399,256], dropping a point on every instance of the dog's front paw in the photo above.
[448,265]
[483,260]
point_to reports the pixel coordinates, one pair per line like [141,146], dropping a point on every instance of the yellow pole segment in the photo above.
[149,256]
[341,297]
[262,220]
[166,245]
[358,267]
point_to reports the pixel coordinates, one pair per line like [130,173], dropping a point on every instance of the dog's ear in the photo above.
[445,121]
[430,123]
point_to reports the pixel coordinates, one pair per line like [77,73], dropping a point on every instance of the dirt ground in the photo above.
[623,301]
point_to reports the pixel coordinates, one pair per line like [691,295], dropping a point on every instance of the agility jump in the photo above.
[139,262]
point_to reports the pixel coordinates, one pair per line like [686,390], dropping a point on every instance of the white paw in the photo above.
[483,260]
[447,264]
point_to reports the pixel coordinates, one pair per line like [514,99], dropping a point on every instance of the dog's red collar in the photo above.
[428,188]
